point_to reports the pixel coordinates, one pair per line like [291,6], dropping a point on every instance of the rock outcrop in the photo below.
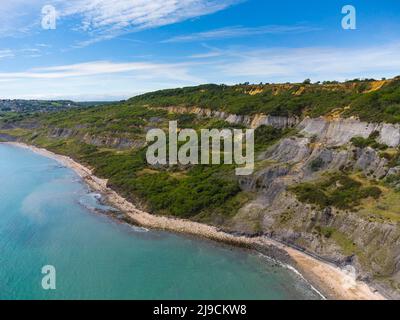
[340,131]
[112,142]
[253,121]
[109,141]
[332,132]
[370,245]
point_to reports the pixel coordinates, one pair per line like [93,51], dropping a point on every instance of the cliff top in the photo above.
[369,100]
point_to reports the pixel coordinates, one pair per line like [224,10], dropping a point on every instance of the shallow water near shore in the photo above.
[47,218]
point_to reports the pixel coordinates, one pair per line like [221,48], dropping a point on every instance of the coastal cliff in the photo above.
[327,171]
[366,237]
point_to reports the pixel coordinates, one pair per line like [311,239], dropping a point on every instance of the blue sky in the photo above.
[114,49]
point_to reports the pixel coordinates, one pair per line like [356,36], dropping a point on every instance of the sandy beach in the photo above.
[333,282]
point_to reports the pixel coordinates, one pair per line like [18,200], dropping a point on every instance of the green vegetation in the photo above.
[265,136]
[113,119]
[376,101]
[327,232]
[203,187]
[393,157]
[382,105]
[286,217]
[362,143]
[394,181]
[346,244]
[10,117]
[168,190]
[219,214]
[316,164]
[33,106]
[337,190]
[272,99]
[387,209]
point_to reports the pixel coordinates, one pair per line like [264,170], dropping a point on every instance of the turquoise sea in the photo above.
[47,218]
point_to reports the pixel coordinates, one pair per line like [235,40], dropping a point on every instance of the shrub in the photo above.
[316,164]
[265,136]
[327,232]
[337,190]
[362,143]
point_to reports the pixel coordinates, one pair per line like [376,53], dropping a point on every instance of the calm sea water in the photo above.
[46,219]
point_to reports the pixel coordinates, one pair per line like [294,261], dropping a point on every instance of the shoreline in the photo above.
[333,282]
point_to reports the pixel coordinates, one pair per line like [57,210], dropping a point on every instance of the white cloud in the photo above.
[104,19]
[210,54]
[295,64]
[24,53]
[94,68]
[96,79]
[6,53]
[239,31]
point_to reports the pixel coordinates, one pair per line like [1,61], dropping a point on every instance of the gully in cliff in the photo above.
[183,148]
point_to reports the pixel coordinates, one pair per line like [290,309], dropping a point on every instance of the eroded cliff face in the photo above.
[332,132]
[369,245]
[254,121]
[112,142]
[363,239]
[340,131]
[109,141]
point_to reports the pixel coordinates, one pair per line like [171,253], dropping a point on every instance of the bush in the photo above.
[316,164]
[265,136]
[337,190]
[327,232]
[362,143]
[373,192]
[202,188]
[308,193]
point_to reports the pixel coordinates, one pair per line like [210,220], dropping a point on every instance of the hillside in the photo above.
[369,100]
[327,176]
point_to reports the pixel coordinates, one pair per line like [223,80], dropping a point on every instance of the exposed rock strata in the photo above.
[277,213]
[254,121]
[340,131]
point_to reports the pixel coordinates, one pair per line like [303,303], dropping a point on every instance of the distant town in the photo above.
[35,105]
